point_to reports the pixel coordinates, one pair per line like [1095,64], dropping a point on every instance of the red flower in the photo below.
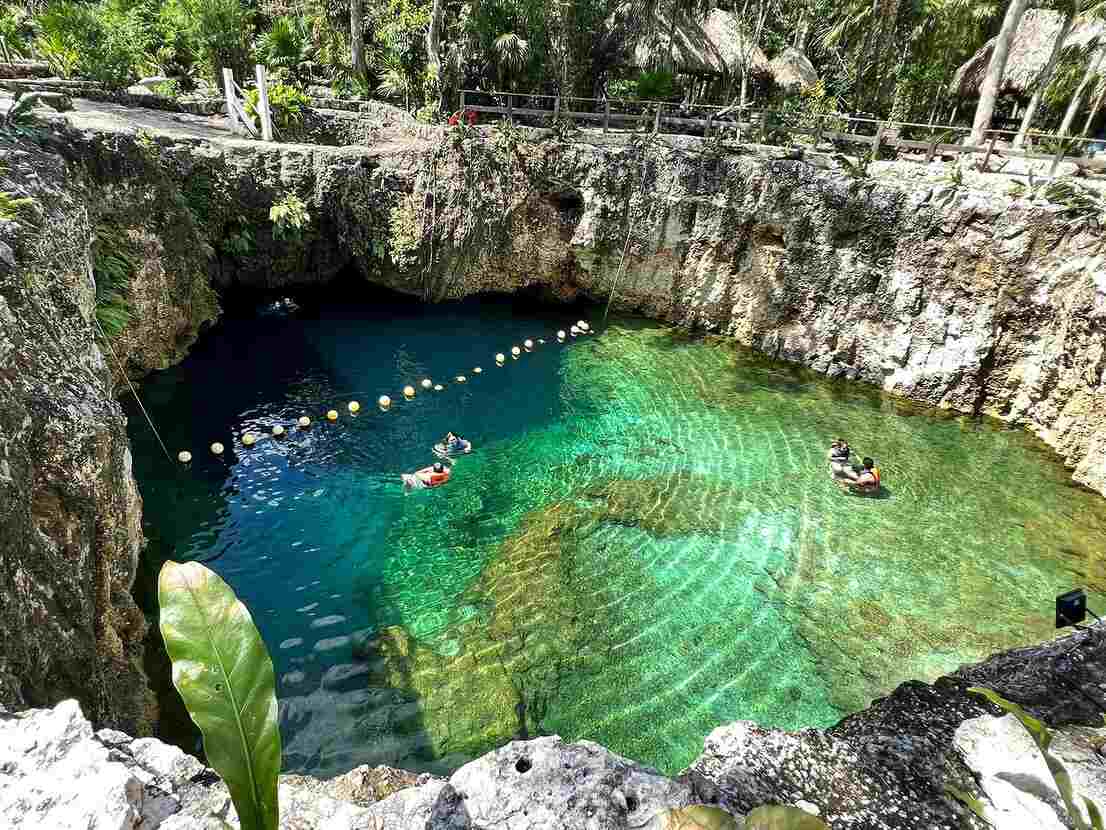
[472,118]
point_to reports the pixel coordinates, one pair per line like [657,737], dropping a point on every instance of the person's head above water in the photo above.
[868,463]
[438,467]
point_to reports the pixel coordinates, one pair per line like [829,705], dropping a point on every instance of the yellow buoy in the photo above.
[408,392]
[354,407]
[500,359]
[332,415]
[248,439]
[427,383]
[304,422]
[477,370]
[278,431]
[515,352]
[184,456]
[217,448]
[438,387]
[528,345]
[384,402]
[461,379]
[561,335]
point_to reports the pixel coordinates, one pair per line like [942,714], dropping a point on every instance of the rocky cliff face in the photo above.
[888,768]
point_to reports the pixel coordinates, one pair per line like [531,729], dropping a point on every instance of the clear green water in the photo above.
[646,545]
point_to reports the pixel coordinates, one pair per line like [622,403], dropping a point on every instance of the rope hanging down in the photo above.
[123,372]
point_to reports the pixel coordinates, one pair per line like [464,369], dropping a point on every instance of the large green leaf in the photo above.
[695,817]
[225,676]
[1043,738]
[775,817]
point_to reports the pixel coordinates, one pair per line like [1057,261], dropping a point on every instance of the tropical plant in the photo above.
[224,675]
[102,41]
[17,30]
[656,86]
[1042,736]
[221,30]
[113,266]
[286,105]
[12,206]
[288,46]
[289,217]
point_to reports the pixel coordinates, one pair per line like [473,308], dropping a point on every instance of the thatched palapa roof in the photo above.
[1028,54]
[708,46]
[793,70]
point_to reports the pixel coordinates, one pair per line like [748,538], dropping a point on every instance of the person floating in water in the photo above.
[868,479]
[839,460]
[451,445]
[433,476]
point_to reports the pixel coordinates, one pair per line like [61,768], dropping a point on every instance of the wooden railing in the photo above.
[766,126]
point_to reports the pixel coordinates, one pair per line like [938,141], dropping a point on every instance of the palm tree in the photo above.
[1077,97]
[1046,75]
[433,48]
[512,52]
[992,81]
[357,38]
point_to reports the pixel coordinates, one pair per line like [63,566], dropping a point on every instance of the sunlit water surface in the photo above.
[646,543]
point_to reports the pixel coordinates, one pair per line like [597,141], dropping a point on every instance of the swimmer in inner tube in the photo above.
[452,445]
[435,475]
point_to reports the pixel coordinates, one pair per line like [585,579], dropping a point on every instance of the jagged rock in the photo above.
[1020,791]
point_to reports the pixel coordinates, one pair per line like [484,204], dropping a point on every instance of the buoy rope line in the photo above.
[134,392]
[384,402]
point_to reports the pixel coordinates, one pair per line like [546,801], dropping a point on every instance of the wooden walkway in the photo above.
[865,135]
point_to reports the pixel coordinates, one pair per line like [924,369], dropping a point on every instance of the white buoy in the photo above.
[304,422]
[561,335]
[541,342]
[500,359]
[217,448]
[515,352]
[184,456]
[248,439]
[384,402]
[477,370]
[354,407]
[581,325]
[278,431]
[461,379]
[408,392]
[438,387]
[528,345]
[574,331]
[332,415]
[427,383]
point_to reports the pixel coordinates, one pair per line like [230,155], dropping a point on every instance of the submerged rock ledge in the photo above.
[888,767]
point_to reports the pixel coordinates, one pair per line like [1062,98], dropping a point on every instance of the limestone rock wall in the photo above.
[70,530]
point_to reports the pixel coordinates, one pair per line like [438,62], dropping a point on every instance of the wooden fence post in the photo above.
[932,151]
[657,119]
[606,114]
[706,130]
[817,134]
[263,104]
[232,109]
[1056,161]
[877,139]
[462,102]
[556,108]
[510,109]
[990,149]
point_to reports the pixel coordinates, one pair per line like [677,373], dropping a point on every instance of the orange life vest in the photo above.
[438,478]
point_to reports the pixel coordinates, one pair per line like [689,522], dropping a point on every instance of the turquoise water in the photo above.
[645,545]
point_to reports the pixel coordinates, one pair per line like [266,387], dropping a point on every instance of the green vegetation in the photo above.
[289,217]
[1042,736]
[286,104]
[113,265]
[225,676]
[102,41]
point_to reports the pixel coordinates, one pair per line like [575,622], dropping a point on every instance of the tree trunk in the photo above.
[862,57]
[1077,96]
[433,45]
[884,46]
[1044,80]
[802,30]
[357,38]
[672,37]
[988,92]
[1094,108]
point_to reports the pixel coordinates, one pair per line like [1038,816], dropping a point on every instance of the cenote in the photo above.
[645,545]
